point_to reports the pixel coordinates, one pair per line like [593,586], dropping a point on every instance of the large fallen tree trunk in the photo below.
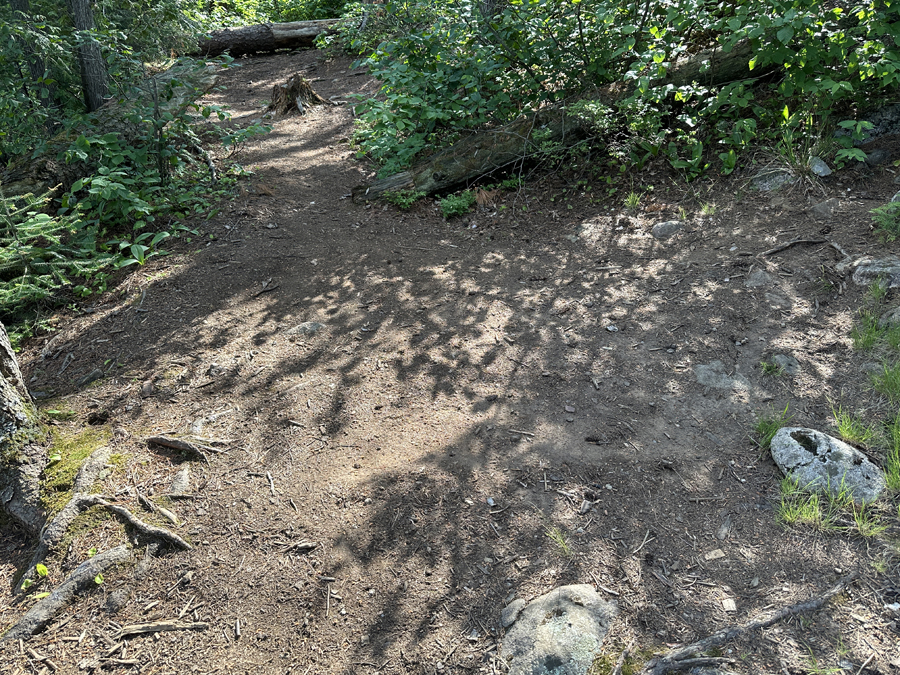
[497,149]
[265,37]
[168,92]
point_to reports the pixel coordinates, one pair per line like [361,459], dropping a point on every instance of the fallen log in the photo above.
[265,37]
[486,151]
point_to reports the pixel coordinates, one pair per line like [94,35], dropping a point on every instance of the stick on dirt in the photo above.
[141,526]
[675,659]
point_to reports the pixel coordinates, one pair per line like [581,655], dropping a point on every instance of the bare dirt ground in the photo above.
[466,393]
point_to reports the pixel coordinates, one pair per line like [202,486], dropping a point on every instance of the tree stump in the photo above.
[295,96]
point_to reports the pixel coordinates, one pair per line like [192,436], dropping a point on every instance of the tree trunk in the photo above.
[265,37]
[90,59]
[487,151]
[294,96]
[21,458]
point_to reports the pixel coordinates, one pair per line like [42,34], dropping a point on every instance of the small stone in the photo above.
[773,179]
[490,501]
[824,209]
[570,419]
[886,270]
[570,409]
[788,363]
[147,389]
[181,483]
[612,328]
[758,278]
[819,167]
[271,226]
[92,376]
[666,229]
[778,301]
[754,582]
[724,529]
[729,605]
[715,554]
[305,328]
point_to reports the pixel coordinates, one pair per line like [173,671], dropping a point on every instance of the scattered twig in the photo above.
[794,242]
[863,666]
[160,626]
[678,658]
[517,431]
[271,483]
[624,655]
[643,543]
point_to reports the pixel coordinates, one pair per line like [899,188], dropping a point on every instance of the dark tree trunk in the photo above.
[21,458]
[90,58]
[34,61]
[265,37]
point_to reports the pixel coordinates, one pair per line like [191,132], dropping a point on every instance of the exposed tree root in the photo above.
[82,578]
[140,525]
[684,657]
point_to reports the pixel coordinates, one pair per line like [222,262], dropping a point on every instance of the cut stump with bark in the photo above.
[294,96]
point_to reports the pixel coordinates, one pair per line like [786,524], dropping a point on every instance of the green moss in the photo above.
[83,523]
[118,460]
[60,415]
[605,663]
[60,475]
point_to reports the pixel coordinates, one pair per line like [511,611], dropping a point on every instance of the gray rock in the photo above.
[887,269]
[819,167]
[878,156]
[116,600]
[778,301]
[824,209]
[890,318]
[790,365]
[511,612]
[666,229]
[896,197]
[305,328]
[715,375]
[773,179]
[559,633]
[181,484]
[823,463]
[758,278]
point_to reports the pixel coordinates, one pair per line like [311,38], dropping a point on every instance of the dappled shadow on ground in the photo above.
[491,407]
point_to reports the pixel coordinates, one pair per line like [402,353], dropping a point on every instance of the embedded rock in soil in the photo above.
[890,318]
[511,612]
[824,209]
[666,229]
[825,464]
[766,181]
[559,633]
[790,365]
[819,167]
[305,328]
[715,375]
[758,278]
[867,270]
[181,484]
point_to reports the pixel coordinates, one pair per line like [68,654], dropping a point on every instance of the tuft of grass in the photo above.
[771,368]
[708,210]
[851,428]
[866,333]
[868,524]
[633,201]
[768,426]
[887,382]
[892,456]
[558,537]
[799,507]
[878,290]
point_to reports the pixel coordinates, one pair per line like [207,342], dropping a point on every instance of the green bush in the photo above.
[452,65]
[457,205]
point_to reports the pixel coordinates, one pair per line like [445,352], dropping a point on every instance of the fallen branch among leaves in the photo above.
[160,626]
[684,657]
[82,578]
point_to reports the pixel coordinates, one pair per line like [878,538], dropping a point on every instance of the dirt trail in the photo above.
[472,383]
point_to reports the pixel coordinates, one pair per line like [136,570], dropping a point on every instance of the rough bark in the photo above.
[295,96]
[487,151]
[38,175]
[90,57]
[22,459]
[265,37]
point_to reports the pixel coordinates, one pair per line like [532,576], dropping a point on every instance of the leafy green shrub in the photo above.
[887,220]
[457,205]
[451,65]
[403,199]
